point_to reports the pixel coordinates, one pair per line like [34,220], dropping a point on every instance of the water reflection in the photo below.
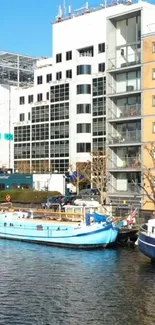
[44,285]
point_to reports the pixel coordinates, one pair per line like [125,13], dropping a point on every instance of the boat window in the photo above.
[39,227]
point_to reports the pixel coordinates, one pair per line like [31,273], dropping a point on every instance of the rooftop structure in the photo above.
[16,69]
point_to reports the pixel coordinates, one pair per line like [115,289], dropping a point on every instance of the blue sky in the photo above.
[25,25]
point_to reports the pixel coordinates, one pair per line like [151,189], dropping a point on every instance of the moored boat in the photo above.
[16,226]
[146,239]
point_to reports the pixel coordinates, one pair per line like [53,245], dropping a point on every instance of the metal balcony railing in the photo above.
[125,137]
[129,189]
[124,60]
[125,111]
[125,162]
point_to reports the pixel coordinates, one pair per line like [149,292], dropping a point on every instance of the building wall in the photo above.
[48,182]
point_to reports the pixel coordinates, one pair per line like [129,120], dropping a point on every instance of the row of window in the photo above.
[40,79]
[42,166]
[101,49]
[31,98]
[99,127]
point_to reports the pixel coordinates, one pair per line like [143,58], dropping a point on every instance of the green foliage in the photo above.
[27,196]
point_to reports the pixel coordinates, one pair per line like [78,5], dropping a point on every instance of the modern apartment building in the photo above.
[90,95]
[129,90]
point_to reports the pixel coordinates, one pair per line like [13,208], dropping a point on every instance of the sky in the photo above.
[25,25]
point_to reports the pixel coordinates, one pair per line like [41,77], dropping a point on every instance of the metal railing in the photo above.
[130,188]
[125,137]
[125,60]
[125,162]
[125,111]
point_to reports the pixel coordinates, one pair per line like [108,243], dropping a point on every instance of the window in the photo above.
[58,58]
[83,147]
[60,111]
[30,99]
[153,73]
[83,69]
[39,80]
[69,74]
[40,114]
[83,89]
[22,100]
[83,108]
[47,95]
[68,55]
[153,100]
[39,97]
[49,77]
[153,47]
[84,128]
[153,127]
[101,67]
[101,48]
[99,86]
[29,116]
[59,75]
[99,106]
[21,117]
[59,93]
[87,51]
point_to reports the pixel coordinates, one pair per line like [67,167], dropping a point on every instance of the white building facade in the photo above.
[75,104]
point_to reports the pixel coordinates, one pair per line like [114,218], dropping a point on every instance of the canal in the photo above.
[42,285]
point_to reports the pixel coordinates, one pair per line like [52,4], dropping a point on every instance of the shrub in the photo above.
[27,196]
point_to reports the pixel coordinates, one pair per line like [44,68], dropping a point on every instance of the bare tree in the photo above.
[95,171]
[77,175]
[23,167]
[148,173]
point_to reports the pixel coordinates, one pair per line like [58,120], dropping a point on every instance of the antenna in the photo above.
[64,5]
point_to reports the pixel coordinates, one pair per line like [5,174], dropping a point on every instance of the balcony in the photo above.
[124,61]
[118,89]
[125,112]
[131,189]
[124,138]
[125,163]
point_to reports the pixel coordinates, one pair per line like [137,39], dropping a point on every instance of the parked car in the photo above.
[89,191]
[52,202]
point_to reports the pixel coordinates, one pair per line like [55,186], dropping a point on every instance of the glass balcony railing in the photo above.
[125,163]
[125,60]
[125,111]
[125,137]
[130,188]
[117,88]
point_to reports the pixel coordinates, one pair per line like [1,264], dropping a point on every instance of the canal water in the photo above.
[42,285]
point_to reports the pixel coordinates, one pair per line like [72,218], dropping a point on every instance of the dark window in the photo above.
[69,74]
[40,132]
[40,114]
[68,55]
[21,117]
[99,106]
[60,148]
[83,89]
[29,116]
[60,111]
[87,51]
[39,97]
[99,86]
[39,80]
[99,126]
[84,128]
[47,95]
[22,100]
[59,75]
[83,147]
[101,48]
[101,67]
[83,69]
[22,133]
[30,99]
[83,108]
[58,58]
[59,93]
[49,77]
[60,130]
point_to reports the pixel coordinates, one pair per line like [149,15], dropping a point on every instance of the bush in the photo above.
[27,196]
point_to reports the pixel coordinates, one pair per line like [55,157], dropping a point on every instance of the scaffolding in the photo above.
[16,69]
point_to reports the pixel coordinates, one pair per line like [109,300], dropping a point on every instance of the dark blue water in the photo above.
[42,285]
